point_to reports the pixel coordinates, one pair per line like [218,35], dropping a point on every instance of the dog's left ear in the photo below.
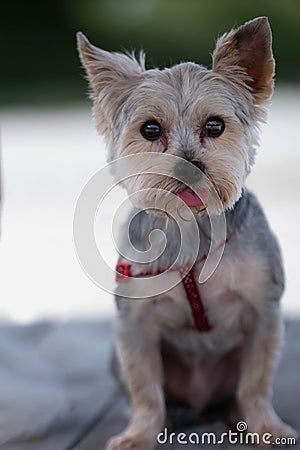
[105,69]
[246,53]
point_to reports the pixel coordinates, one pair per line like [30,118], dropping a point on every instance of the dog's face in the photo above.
[207,117]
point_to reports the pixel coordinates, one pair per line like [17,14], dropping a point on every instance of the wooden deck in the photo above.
[100,409]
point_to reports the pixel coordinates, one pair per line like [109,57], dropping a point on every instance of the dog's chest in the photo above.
[230,296]
[236,288]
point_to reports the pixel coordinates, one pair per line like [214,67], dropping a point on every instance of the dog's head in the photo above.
[207,117]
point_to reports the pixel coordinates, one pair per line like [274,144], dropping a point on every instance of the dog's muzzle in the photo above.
[189,173]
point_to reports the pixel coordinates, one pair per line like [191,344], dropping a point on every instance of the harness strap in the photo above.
[123,273]
[196,303]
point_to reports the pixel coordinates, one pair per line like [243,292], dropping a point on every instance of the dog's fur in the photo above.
[242,297]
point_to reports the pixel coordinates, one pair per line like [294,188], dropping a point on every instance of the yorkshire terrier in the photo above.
[199,343]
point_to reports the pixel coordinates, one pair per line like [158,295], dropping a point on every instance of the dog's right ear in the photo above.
[247,53]
[105,69]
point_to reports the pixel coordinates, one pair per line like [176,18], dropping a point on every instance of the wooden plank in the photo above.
[69,435]
[89,397]
[101,410]
[113,423]
[287,382]
[286,398]
[116,420]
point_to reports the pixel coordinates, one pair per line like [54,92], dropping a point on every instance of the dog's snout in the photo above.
[199,165]
[189,174]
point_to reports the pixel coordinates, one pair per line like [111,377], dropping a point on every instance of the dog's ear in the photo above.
[246,52]
[105,69]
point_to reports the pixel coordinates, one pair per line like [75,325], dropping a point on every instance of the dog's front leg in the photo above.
[138,349]
[260,354]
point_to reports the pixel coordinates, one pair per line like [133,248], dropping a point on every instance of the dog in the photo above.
[198,343]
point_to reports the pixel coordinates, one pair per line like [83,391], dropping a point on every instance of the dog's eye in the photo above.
[151,130]
[214,127]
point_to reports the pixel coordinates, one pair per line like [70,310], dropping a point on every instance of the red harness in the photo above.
[190,286]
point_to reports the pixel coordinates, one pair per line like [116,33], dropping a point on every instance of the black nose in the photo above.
[189,174]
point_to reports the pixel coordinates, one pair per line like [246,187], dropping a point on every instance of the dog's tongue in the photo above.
[191,199]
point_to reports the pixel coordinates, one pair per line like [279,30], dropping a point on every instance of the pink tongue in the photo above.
[191,199]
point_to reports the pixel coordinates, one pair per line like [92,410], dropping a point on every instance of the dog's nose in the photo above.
[189,174]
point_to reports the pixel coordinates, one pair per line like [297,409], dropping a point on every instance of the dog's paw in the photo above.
[277,433]
[126,441]
[281,433]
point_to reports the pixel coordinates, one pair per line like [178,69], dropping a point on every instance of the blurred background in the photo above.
[50,148]
[39,59]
